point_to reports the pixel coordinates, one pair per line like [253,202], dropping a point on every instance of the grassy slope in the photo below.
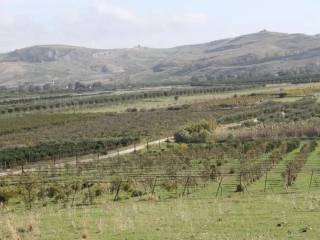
[199,216]
[274,179]
[202,218]
[303,180]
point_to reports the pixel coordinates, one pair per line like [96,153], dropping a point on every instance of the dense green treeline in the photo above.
[12,157]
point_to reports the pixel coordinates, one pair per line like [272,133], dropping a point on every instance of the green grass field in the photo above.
[274,182]
[237,217]
[308,179]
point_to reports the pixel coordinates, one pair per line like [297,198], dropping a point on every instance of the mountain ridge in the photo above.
[253,55]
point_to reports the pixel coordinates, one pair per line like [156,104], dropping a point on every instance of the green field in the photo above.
[244,165]
[237,217]
[200,214]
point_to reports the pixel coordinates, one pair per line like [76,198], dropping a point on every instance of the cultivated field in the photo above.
[243,165]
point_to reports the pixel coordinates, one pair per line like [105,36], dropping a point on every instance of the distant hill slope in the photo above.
[260,55]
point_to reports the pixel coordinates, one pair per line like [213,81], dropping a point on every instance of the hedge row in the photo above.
[24,106]
[19,156]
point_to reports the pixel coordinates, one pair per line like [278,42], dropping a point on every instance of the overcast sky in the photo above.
[152,23]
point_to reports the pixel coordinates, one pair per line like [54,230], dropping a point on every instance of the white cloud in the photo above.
[106,8]
[191,19]
[101,24]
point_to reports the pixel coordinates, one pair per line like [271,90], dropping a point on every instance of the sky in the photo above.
[152,23]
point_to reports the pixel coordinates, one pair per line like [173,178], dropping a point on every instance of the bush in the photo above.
[136,193]
[292,145]
[272,145]
[127,187]
[197,133]
[52,191]
[239,188]
[3,198]
[170,185]
[313,145]
[132,110]
[182,136]
[282,95]
[6,193]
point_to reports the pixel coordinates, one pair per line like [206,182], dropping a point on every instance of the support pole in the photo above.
[219,187]
[22,168]
[186,186]
[76,159]
[74,194]
[265,182]
[116,197]
[154,186]
[311,178]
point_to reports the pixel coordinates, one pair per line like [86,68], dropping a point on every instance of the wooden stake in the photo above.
[116,197]
[154,186]
[265,182]
[186,186]
[219,187]
[76,160]
[22,168]
[74,194]
[311,178]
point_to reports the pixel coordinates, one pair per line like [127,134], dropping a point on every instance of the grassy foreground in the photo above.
[238,217]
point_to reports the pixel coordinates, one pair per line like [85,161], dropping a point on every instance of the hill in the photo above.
[258,56]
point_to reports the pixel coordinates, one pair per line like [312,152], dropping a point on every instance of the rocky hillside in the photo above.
[261,55]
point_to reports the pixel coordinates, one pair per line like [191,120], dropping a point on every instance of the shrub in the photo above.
[132,110]
[283,95]
[3,197]
[136,193]
[127,187]
[182,136]
[196,133]
[292,145]
[52,191]
[239,188]
[170,185]
[272,145]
